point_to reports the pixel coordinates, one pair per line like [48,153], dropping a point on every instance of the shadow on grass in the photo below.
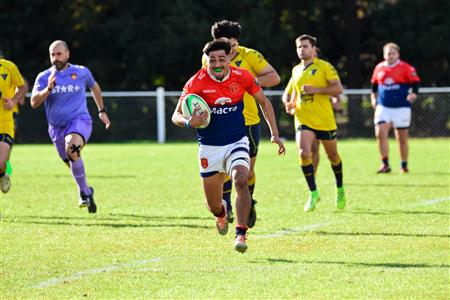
[396,184]
[399,212]
[377,265]
[381,234]
[273,261]
[118,176]
[104,221]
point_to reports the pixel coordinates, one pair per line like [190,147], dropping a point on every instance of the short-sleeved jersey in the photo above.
[10,79]
[394,82]
[67,100]
[254,62]
[314,111]
[225,99]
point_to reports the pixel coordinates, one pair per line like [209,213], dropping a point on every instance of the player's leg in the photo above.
[226,195]
[401,122]
[330,146]
[212,186]
[6,141]
[305,138]
[315,150]
[237,166]
[76,136]
[253,137]
[382,126]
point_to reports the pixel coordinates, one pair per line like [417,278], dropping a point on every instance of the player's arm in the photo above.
[268,76]
[288,98]
[20,93]
[38,97]
[98,98]
[334,88]
[269,116]
[374,94]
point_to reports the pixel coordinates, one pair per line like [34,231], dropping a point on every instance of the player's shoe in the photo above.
[5,183]
[230,216]
[384,169]
[8,168]
[88,201]
[252,216]
[222,223]
[240,243]
[340,198]
[404,170]
[312,201]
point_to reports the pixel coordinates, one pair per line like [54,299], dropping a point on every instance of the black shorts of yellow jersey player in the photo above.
[6,138]
[320,134]
[253,138]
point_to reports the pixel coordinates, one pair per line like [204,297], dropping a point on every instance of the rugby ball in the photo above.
[190,103]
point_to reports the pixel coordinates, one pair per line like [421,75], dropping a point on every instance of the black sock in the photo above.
[404,164]
[385,161]
[337,169]
[241,230]
[308,171]
[226,194]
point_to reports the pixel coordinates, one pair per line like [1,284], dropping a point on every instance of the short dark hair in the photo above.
[226,28]
[215,45]
[308,37]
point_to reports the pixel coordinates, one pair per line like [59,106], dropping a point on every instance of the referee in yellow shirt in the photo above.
[312,83]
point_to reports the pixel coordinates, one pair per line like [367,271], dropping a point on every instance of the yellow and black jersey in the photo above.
[10,79]
[314,111]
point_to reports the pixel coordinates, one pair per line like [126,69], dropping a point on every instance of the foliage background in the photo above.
[139,45]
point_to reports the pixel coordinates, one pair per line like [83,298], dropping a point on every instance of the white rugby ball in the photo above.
[191,102]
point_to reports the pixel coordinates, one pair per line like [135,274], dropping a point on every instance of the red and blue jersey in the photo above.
[394,82]
[225,99]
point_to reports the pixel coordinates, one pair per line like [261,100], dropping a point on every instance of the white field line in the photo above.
[430,202]
[78,275]
[294,230]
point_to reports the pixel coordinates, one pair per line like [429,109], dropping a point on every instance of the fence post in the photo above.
[161,115]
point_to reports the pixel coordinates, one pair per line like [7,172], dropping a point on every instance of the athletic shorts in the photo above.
[320,134]
[222,159]
[6,138]
[82,127]
[253,138]
[400,117]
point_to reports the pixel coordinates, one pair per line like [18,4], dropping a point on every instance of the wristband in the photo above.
[186,124]
[103,110]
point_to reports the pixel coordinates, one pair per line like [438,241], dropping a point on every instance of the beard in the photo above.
[60,65]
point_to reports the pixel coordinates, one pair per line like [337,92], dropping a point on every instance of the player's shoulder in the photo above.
[404,64]
[240,72]
[249,53]
[80,68]
[323,63]
[7,64]
[380,65]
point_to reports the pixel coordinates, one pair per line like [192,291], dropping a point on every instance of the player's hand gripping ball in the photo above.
[190,103]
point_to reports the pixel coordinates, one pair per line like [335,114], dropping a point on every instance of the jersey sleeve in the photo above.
[289,87]
[374,75]
[256,60]
[90,81]
[411,74]
[40,83]
[252,85]
[16,77]
[330,72]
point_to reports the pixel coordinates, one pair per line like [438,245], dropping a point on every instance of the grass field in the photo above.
[152,236]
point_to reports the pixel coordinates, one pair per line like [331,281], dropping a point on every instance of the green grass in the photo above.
[153,237]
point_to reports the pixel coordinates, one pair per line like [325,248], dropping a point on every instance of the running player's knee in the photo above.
[73,152]
[333,157]
[240,181]
[304,154]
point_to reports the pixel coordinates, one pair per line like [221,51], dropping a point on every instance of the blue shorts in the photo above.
[82,127]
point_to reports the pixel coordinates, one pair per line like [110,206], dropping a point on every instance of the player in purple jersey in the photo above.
[62,89]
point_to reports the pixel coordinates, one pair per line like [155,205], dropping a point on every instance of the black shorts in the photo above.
[320,134]
[253,138]
[6,138]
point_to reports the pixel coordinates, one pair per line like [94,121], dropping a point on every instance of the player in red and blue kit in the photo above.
[62,89]
[395,85]
[224,146]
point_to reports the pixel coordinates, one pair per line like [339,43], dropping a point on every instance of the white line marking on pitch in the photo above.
[294,230]
[430,202]
[78,275]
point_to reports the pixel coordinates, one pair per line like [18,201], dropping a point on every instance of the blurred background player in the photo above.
[314,81]
[254,62]
[12,89]
[392,80]
[62,88]
[224,146]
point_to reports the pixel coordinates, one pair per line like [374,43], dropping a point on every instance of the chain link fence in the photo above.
[134,117]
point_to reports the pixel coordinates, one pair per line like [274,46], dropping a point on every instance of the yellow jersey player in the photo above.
[313,82]
[12,88]
[254,62]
